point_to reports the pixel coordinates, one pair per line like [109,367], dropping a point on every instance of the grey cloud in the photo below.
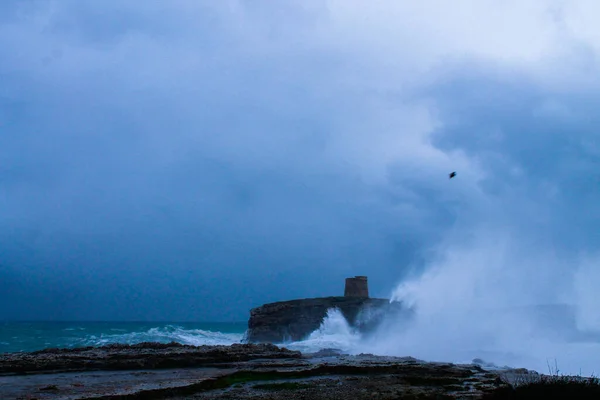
[165,163]
[537,147]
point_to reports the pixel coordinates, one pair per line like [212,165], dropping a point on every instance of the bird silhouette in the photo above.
[452,174]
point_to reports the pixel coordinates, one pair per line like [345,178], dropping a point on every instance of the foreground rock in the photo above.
[295,319]
[236,372]
[138,356]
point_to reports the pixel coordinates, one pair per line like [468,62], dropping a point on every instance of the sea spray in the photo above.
[334,333]
[493,299]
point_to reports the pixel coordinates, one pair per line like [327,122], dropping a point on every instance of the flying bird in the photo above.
[452,174]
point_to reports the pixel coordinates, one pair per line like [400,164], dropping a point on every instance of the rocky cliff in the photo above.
[295,319]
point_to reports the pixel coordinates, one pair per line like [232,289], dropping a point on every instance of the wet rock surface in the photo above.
[235,372]
[296,319]
[138,356]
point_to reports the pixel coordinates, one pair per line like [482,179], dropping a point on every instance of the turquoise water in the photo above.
[31,336]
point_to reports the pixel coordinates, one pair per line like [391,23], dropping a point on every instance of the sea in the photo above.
[32,336]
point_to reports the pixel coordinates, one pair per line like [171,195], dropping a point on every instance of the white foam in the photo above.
[170,333]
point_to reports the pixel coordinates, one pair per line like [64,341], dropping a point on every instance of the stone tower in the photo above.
[356,287]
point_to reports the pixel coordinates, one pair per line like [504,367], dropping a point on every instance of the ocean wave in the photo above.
[170,333]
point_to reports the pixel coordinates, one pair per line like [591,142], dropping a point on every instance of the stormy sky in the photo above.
[187,160]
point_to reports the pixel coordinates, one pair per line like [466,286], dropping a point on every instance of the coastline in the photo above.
[239,371]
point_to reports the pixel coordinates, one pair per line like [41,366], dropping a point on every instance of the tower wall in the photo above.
[356,287]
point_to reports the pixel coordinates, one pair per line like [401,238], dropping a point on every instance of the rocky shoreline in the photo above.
[241,371]
[138,356]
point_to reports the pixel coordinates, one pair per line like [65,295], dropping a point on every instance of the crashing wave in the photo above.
[334,333]
[169,333]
